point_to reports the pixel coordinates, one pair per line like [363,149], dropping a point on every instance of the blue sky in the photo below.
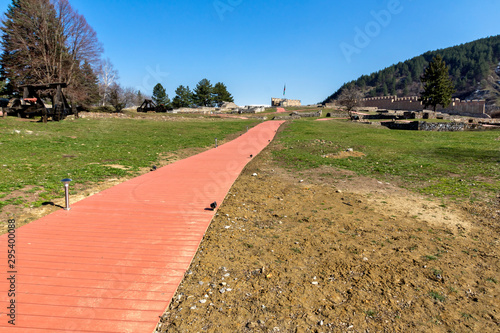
[257,46]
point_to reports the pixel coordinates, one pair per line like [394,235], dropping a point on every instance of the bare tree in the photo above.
[350,97]
[120,97]
[80,41]
[129,96]
[107,78]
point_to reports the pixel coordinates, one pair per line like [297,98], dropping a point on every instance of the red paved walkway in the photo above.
[113,262]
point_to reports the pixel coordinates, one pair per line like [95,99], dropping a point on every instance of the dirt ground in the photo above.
[328,251]
[309,253]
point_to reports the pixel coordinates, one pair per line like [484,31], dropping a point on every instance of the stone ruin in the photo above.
[250,109]
[474,108]
[283,102]
[298,115]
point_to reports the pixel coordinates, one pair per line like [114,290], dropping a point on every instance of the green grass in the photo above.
[457,165]
[437,296]
[430,257]
[40,155]
[466,316]
[493,280]
[370,313]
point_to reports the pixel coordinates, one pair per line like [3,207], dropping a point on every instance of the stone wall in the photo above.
[337,115]
[298,115]
[442,127]
[204,110]
[427,126]
[331,105]
[316,114]
[285,102]
[475,108]
[250,109]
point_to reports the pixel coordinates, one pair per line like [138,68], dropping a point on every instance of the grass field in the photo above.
[458,165]
[335,257]
[35,156]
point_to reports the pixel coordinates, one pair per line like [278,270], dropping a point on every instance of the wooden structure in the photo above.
[150,106]
[32,105]
[147,106]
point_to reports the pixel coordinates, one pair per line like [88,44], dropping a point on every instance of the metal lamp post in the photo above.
[66,182]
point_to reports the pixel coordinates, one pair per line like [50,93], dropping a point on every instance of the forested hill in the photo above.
[472,67]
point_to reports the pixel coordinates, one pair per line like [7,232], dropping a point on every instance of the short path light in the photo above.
[66,182]
[216,145]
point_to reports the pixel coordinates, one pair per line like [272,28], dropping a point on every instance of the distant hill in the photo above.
[474,69]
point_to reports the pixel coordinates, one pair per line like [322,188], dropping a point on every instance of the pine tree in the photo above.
[160,96]
[183,98]
[221,95]
[203,93]
[438,87]
[85,87]
[406,91]
[385,90]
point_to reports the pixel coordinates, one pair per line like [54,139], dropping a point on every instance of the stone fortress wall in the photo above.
[475,108]
[283,102]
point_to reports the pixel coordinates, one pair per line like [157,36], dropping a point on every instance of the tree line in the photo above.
[47,41]
[469,66]
[204,94]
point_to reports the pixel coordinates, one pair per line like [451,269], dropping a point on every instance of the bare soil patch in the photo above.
[323,252]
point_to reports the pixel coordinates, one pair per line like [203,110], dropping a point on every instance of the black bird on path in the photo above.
[213,205]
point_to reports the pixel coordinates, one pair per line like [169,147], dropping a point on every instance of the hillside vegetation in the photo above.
[472,67]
